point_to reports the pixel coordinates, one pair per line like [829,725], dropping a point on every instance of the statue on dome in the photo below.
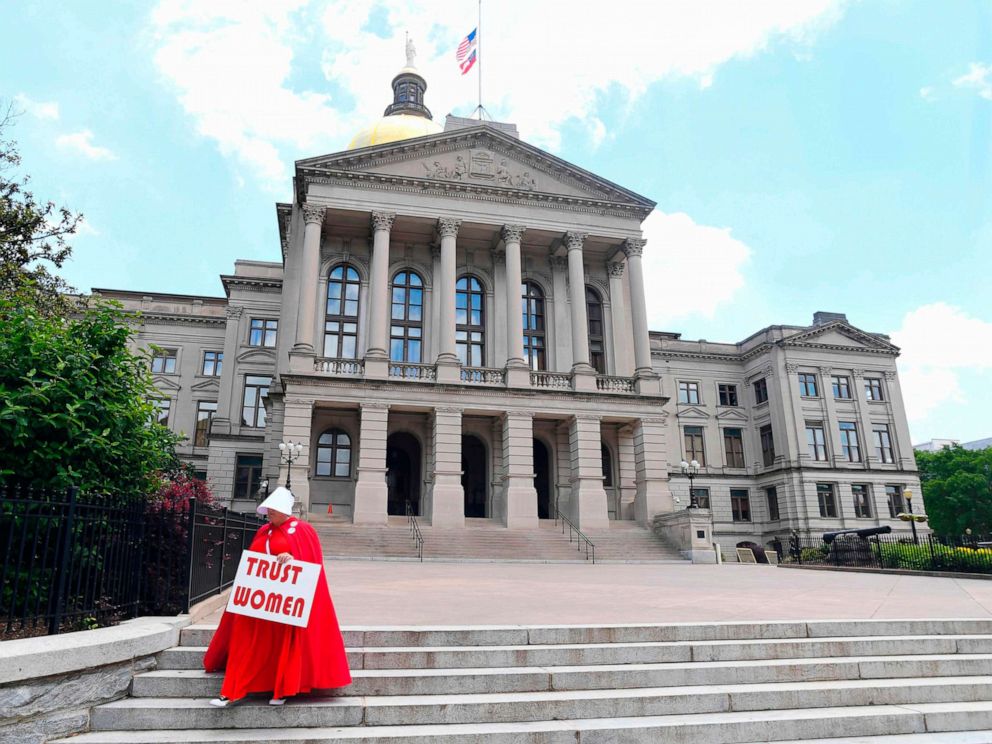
[411,52]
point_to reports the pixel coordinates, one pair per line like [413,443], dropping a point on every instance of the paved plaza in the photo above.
[407,593]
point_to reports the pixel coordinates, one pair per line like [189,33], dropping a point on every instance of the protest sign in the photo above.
[266,589]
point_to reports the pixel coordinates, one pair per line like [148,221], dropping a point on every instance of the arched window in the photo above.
[594,313]
[470,322]
[607,466]
[532,301]
[407,324]
[341,321]
[334,454]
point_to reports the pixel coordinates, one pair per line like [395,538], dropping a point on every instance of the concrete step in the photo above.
[536,635]
[462,657]
[187,713]
[792,725]
[193,682]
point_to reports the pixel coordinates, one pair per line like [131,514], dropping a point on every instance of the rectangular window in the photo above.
[850,448]
[862,500]
[841,386]
[163,407]
[252,405]
[816,440]
[733,443]
[826,500]
[205,410]
[247,476]
[807,385]
[771,494]
[728,395]
[263,332]
[213,361]
[883,443]
[694,445]
[702,497]
[760,392]
[740,504]
[689,393]
[896,504]
[164,361]
[767,445]
[873,388]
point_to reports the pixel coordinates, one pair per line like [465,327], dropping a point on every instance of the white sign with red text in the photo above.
[268,590]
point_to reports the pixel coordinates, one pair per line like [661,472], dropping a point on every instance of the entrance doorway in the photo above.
[542,479]
[475,480]
[402,473]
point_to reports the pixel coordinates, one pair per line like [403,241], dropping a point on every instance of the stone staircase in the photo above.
[486,540]
[833,682]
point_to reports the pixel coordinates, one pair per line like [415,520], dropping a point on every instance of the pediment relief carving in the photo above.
[840,335]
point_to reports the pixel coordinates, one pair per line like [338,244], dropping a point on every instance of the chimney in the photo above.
[822,318]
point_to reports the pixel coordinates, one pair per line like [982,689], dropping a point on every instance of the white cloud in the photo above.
[939,342]
[927,93]
[231,61]
[977,77]
[39,109]
[85,227]
[82,143]
[699,266]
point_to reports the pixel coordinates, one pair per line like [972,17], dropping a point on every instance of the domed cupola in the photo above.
[406,116]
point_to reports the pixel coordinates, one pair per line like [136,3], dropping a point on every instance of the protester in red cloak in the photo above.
[263,656]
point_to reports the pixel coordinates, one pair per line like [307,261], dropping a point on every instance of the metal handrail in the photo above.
[415,533]
[580,537]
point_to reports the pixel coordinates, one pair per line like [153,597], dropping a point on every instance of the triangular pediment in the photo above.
[257,355]
[840,335]
[692,413]
[206,386]
[732,414]
[476,158]
[165,383]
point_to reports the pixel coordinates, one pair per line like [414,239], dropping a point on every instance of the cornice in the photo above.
[251,284]
[144,316]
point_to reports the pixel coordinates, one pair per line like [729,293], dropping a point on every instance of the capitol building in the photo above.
[455,322]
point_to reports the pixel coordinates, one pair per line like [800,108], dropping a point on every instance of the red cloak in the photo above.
[263,656]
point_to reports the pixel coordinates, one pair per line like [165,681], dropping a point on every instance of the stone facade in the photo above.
[458,323]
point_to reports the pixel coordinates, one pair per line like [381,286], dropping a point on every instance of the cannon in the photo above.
[829,537]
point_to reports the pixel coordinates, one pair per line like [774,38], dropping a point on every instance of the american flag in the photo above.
[467,52]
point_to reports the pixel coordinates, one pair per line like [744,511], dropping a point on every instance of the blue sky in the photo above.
[819,155]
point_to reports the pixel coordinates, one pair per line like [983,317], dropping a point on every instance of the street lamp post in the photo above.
[289,453]
[691,470]
[909,508]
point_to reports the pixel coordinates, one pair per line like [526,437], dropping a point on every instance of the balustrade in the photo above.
[611,384]
[551,380]
[350,367]
[482,376]
[411,371]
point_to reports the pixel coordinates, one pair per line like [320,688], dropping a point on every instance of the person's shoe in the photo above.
[277,701]
[223,702]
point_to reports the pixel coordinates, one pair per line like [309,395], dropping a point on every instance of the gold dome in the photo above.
[394,128]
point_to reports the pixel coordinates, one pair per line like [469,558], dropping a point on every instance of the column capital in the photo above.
[313,214]
[858,373]
[512,233]
[633,246]
[574,240]
[826,370]
[447,227]
[615,268]
[374,405]
[499,258]
[448,409]
[558,262]
[383,220]
[234,312]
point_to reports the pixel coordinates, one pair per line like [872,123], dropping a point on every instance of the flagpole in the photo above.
[480,60]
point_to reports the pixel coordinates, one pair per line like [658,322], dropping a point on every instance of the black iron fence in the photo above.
[930,553]
[72,561]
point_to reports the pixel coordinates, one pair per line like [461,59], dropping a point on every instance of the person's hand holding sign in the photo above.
[284,557]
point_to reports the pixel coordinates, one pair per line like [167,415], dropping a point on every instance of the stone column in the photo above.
[558,317]
[831,431]
[633,248]
[447,359]
[447,496]
[866,439]
[519,495]
[377,356]
[621,330]
[228,403]
[309,268]
[435,342]
[297,422]
[588,506]
[583,375]
[517,373]
[901,442]
[653,495]
[370,490]
[500,355]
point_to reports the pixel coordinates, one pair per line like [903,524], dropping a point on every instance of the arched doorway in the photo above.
[542,480]
[475,479]
[402,473]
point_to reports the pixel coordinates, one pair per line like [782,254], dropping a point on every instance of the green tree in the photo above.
[32,235]
[75,402]
[957,489]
